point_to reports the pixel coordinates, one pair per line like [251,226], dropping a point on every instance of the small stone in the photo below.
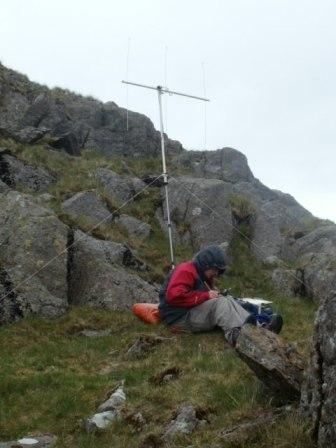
[39,441]
[100,420]
[116,400]
[185,423]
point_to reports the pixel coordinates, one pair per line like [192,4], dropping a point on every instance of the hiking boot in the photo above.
[232,335]
[275,324]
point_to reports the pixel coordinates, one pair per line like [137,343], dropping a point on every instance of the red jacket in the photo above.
[183,287]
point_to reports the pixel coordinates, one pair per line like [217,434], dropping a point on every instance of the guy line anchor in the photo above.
[161,90]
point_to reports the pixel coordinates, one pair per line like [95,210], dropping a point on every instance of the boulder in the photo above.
[289,282]
[89,206]
[318,398]
[274,223]
[16,173]
[33,259]
[316,256]
[68,142]
[275,362]
[226,164]
[200,211]
[133,226]
[99,277]
[118,189]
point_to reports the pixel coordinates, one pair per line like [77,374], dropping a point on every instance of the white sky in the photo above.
[269,68]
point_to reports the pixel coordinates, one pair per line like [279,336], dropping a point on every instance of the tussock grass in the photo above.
[51,379]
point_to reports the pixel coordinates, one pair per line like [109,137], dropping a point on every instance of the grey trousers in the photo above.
[223,312]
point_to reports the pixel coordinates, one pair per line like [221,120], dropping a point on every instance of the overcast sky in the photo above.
[269,67]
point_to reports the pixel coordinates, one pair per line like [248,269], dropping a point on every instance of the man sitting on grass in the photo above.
[189,302]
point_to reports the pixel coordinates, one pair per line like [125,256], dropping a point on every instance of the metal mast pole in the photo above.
[165,178]
[161,90]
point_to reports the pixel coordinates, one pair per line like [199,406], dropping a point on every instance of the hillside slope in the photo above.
[82,224]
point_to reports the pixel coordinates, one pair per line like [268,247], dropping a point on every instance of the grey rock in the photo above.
[115,402]
[117,188]
[16,173]
[272,260]
[107,411]
[3,187]
[289,282]
[44,198]
[99,278]
[318,398]
[39,441]
[76,122]
[185,423]
[101,420]
[316,256]
[67,142]
[199,211]
[274,223]
[89,206]
[275,362]
[30,237]
[226,164]
[30,134]
[134,226]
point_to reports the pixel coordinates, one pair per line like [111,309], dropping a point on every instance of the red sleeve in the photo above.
[180,291]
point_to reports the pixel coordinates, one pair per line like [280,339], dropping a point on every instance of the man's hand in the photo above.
[213,294]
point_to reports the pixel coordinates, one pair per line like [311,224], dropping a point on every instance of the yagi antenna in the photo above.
[161,90]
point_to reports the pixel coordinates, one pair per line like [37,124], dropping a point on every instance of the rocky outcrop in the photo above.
[75,122]
[318,399]
[316,255]
[31,236]
[15,173]
[226,164]
[89,206]
[273,216]
[200,211]
[276,363]
[100,278]
[118,189]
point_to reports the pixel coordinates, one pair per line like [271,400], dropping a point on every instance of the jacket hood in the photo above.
[210,257]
